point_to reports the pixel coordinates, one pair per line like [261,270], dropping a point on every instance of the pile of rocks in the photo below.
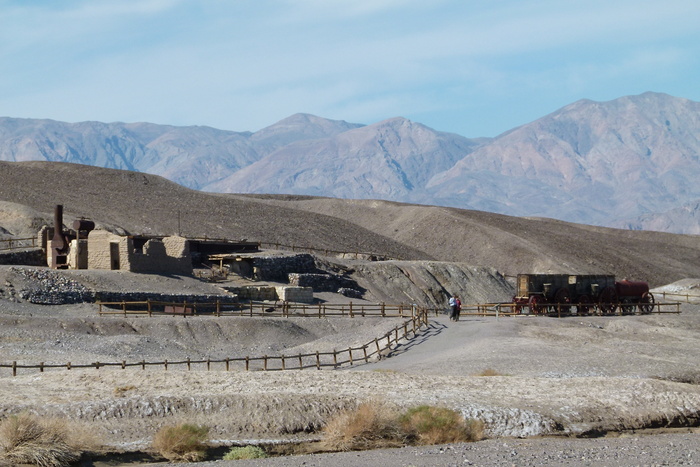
[47,287]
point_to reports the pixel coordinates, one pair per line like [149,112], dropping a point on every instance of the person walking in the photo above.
[458,307]
[455,306]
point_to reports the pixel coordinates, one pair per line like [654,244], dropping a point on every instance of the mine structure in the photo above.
[85,247]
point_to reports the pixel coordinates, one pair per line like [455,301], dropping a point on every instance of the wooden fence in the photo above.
[18,243]
[511,309]
[282,309]
[407,330]
[688,298]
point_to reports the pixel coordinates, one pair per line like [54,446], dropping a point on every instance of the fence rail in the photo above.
[693,299]
[405,331]
[514,309]
[17,243]
[284,309]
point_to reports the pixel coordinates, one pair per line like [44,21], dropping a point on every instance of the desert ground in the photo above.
[555,379]
[579,390]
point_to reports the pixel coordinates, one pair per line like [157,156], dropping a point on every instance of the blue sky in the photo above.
[476,68]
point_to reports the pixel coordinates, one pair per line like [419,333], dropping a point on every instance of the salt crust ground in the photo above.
[559,376]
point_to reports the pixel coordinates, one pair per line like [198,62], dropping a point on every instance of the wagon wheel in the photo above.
[646,304]
[562,300]
[627,306]
[607,300]
[585,305]
[536,304]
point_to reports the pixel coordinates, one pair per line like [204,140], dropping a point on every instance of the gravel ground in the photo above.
[628,450]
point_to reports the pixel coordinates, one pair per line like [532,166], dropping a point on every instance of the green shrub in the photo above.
[245,452]
[183,443]
[26,439]
[438,425]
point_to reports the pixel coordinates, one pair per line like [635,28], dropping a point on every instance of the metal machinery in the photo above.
[561,293]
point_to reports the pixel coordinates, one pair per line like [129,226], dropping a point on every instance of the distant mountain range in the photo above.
[631,163]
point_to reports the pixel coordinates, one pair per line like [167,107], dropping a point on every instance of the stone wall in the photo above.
[99,250]
[78,254]
[321,282]
[277,268]
[273,293]
[295,294]
[30,257]
[170,255]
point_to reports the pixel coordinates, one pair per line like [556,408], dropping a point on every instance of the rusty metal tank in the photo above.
[632,289]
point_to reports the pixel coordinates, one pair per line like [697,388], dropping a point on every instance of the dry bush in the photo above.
[488,372]
[27,439]
[182,443]
[120,391]
[438,425]
[245,452]
[371,425]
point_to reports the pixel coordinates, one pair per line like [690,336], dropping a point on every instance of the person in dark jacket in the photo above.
[456,307]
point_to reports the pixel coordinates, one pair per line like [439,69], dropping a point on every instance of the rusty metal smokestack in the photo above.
[58,242]
[59,245]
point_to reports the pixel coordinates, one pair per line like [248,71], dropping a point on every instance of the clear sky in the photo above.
[476,68]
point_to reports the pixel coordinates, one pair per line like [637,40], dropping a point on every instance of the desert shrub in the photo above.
[438,425]
[183,443]
[489,372]
[27,439]
[120,391]
[245,452]
[369,426]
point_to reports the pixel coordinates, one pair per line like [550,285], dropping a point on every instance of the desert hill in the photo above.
[141,203]
[630,162]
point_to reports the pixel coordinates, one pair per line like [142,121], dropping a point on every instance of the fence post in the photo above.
[165,364]
[148,304]
[283,365]
[188,363]
[123,364]
[227,364]
[335,359]
[364,349]
[218,308]
[247,363]
[265,362]
[124,308]
[41,367]
[376,343]
[350,353]
[318,361]
[208,364]
[68,366]
[351,313]
[14,368]
[301,365]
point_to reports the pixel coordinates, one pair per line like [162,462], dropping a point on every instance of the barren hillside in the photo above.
[141,203]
